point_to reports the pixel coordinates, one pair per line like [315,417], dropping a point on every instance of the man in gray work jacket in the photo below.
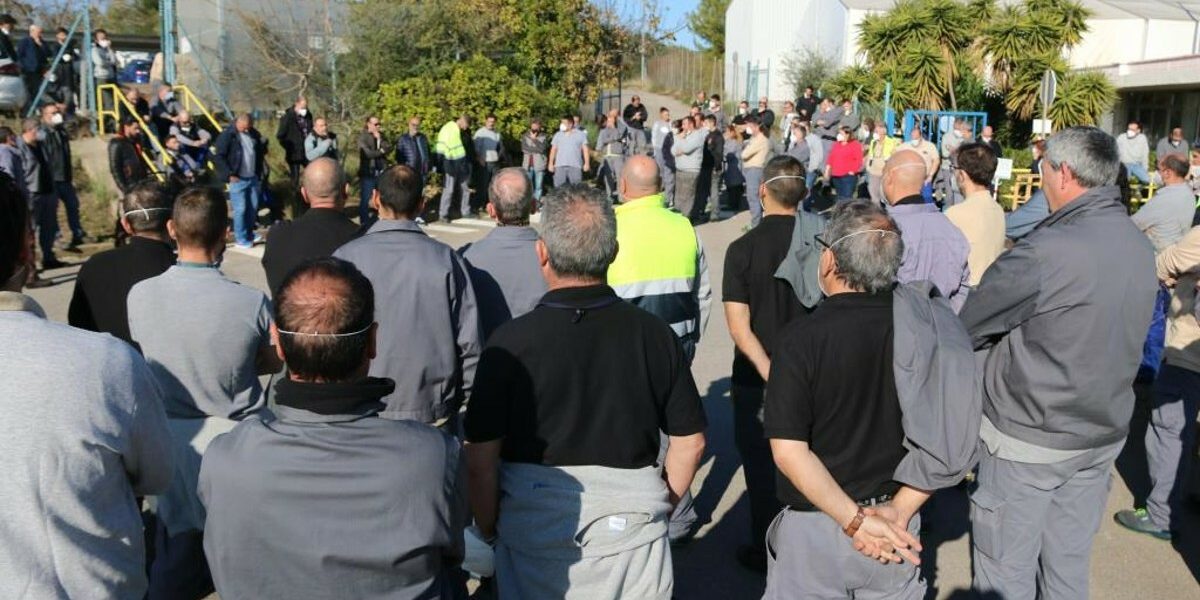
[302,500]
[1062,315]
[429,333]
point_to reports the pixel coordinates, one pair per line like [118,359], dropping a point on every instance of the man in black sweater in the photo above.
[104,281]
[126,164]
[316,234]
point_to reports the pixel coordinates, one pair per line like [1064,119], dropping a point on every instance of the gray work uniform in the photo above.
[332,501]
[429,338]
[689,152]
[568,157]
[505,274]
[1062,316]
[610,141]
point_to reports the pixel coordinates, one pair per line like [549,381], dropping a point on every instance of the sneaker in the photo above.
[421,221]
[752,558]
[1139,520]
[244,245]
[53,263]
[258,239]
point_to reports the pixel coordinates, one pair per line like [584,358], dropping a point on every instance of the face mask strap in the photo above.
[333,335]
[145,211]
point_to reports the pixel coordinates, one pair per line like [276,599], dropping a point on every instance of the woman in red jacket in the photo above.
[844,163]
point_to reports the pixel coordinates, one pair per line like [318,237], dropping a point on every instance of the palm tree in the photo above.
[1082,98]
[950,26]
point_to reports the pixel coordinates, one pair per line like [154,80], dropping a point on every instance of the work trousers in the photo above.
[1169,440]
[875,189]
[449,186]
[708,196]
[810,558]
[668,180]
[295,170]
[754,179]
[758,467]
[567,175]
[685,191]
[1032,525]
[610,173]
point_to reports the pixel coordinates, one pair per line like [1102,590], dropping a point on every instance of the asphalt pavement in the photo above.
[1125,566]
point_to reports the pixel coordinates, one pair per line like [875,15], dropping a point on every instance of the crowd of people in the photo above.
[523,408]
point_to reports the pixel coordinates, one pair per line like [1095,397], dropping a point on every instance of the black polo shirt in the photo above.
[584,379]
[832,385]
[750,265]
[104,281]
[316,234]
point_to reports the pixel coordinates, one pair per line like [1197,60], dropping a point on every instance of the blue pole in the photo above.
[87,87]
[37,100]
[166,10]
[889,115]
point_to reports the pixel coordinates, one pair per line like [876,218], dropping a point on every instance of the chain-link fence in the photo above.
[681,73]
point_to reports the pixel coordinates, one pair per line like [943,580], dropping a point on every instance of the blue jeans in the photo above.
[536,177]
[66,192]
[366,187]
[1138,172]
[845,186]
[243,196]
[754,179]
[45,218]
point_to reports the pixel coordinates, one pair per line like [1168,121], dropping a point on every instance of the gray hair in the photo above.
[511,195]
[1089,152]
[579,229]
[866,243]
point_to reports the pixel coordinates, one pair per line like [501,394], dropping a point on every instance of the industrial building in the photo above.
[1150,49]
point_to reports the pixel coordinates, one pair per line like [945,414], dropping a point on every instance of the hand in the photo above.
[550,168]
[882,540]
[233,179]
[586,167]
[889,513]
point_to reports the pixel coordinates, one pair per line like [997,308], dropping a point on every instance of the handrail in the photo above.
[190,99]
[119,100]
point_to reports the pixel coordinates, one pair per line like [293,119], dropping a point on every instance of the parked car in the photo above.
[135,71]
[12,88]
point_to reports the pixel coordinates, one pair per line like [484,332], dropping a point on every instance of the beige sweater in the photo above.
[1180,263]
[981,221]
[755,153]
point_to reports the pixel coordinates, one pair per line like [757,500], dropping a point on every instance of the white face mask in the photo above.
[742,110]
[302,111]
[749,131]
[878,136]
[915,142]
[104,43]
[1131,132]
[562,126]
[57,119]
[713,106]
[841,137]
[986,139]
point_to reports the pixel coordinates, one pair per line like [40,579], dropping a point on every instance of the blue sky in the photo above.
[675,15]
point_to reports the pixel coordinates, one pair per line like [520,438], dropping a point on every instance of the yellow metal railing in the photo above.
[112,109]
[1024,182]
[190,100]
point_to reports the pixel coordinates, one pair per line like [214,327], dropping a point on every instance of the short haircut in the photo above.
[147,207]
[978,161]
[6,132]
[61,30]
[14,226]
[1090,152]
[511,195]
[789,189]
[1133,122]
[752,120]
[664,110]
[866,261]
[490,116]
[689,120]
[579,229]
[200,217]
[400,190]
[1176,164]
[99,30]
[716,97]
[710,119]
[320,185]
[329,296]
[30,124]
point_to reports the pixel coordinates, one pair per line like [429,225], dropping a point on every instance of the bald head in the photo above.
[323,184]
[639,178]
[324,313]
[903,175]
[510,197]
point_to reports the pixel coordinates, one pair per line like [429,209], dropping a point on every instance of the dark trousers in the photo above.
[33,82]
[295,169]
[758,467]
[845,186]
[66,193]
[180,569]
[708,196]
[45,219]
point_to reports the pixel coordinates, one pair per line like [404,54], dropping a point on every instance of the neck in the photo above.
[772,208]
[970,187]
[1171,181]
[839,286]
[158,236]
[198,255]
[554,281]
[1067,198]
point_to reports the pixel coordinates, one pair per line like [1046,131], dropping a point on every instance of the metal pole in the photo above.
[53,65]
[642,46]
[167,25]
[87,78]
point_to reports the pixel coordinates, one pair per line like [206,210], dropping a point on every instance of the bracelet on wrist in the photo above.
[855,523]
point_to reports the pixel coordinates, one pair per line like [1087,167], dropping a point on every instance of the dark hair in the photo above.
[1176,164]
[752,120]
[490,116]
[978,161]
[200,217]
[663,110]
[126,121]
[790,189]
[688,119]
[716,97]
[400,190]
[99,30]
[6,132]
[331,296]
[14,226]
[61,30]
[146,207]
[710,119]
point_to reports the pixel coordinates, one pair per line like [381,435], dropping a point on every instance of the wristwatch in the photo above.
[855,523]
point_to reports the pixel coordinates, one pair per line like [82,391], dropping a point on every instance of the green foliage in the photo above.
[477,87]
[131,17]
[1082,97]
[807,66]
[708,23]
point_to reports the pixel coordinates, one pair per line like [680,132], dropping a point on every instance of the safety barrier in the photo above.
[117,101]
[1024,182]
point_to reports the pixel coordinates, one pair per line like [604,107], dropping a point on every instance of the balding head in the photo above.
[639,178]
[324,321]
[903,175]
[510,197]
[323,184]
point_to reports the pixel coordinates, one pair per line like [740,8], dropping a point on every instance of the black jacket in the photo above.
[372,156]
[104,281]
[714,151]
[413,150]
[228,157]
[316,234]
[7,49]
[125,163]
[630,111]
[766,118]
[293,128]
[56,147]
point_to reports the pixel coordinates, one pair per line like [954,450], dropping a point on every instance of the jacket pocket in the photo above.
[987,512]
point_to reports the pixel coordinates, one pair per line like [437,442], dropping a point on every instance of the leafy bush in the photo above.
[477,87]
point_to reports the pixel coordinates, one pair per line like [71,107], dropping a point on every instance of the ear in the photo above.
[170,229]
[275,342]
[542,254]
[374,202]
[491,211]
[125,226]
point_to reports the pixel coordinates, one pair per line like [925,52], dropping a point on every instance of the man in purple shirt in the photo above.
[934,249]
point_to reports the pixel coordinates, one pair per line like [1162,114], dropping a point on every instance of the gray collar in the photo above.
[18,302]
